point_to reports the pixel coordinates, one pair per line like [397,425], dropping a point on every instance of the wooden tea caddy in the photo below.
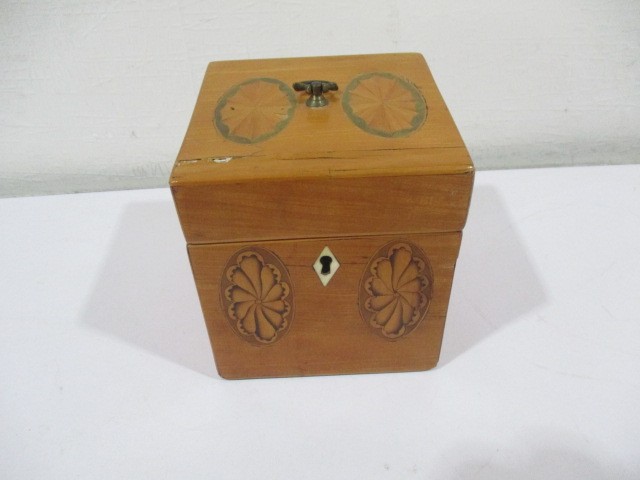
[323,217]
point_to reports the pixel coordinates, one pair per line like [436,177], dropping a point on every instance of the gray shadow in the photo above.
[145,294]
[548,456]
[494,283]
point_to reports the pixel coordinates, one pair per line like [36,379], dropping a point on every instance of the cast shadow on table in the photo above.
[536,456]
[494,283]
[145,294]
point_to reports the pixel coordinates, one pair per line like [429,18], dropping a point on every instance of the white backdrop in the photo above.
[97,95]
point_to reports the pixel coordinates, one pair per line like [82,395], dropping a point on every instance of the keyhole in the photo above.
[326,260]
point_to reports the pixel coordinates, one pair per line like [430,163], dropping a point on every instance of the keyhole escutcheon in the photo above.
[326,265]
[326,260]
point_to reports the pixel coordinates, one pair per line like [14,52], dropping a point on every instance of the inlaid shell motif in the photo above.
[396,290]
[384,104]
[257,296]
[255,110]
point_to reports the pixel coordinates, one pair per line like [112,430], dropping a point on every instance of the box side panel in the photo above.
[325,207]
[327,329]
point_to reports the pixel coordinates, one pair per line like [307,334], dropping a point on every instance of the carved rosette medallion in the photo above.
[255,110]
[396,290]
[257,296]
[384,104]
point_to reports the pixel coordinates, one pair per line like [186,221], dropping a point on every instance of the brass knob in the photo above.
[317,89]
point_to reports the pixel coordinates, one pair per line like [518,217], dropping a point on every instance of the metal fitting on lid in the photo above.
[317,89]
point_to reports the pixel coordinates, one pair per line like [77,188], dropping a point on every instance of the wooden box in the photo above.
[323,239]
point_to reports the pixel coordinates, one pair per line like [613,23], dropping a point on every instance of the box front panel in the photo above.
[310,208]
[326,306]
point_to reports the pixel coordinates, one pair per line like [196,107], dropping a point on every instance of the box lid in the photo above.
[383,156]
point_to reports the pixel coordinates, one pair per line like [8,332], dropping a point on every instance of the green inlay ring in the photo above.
[289,103]
[418,103]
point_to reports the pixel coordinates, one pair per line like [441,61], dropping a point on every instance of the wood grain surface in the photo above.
[313,208]
[269,174]
[316,130]
[263,183]
[329,331]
